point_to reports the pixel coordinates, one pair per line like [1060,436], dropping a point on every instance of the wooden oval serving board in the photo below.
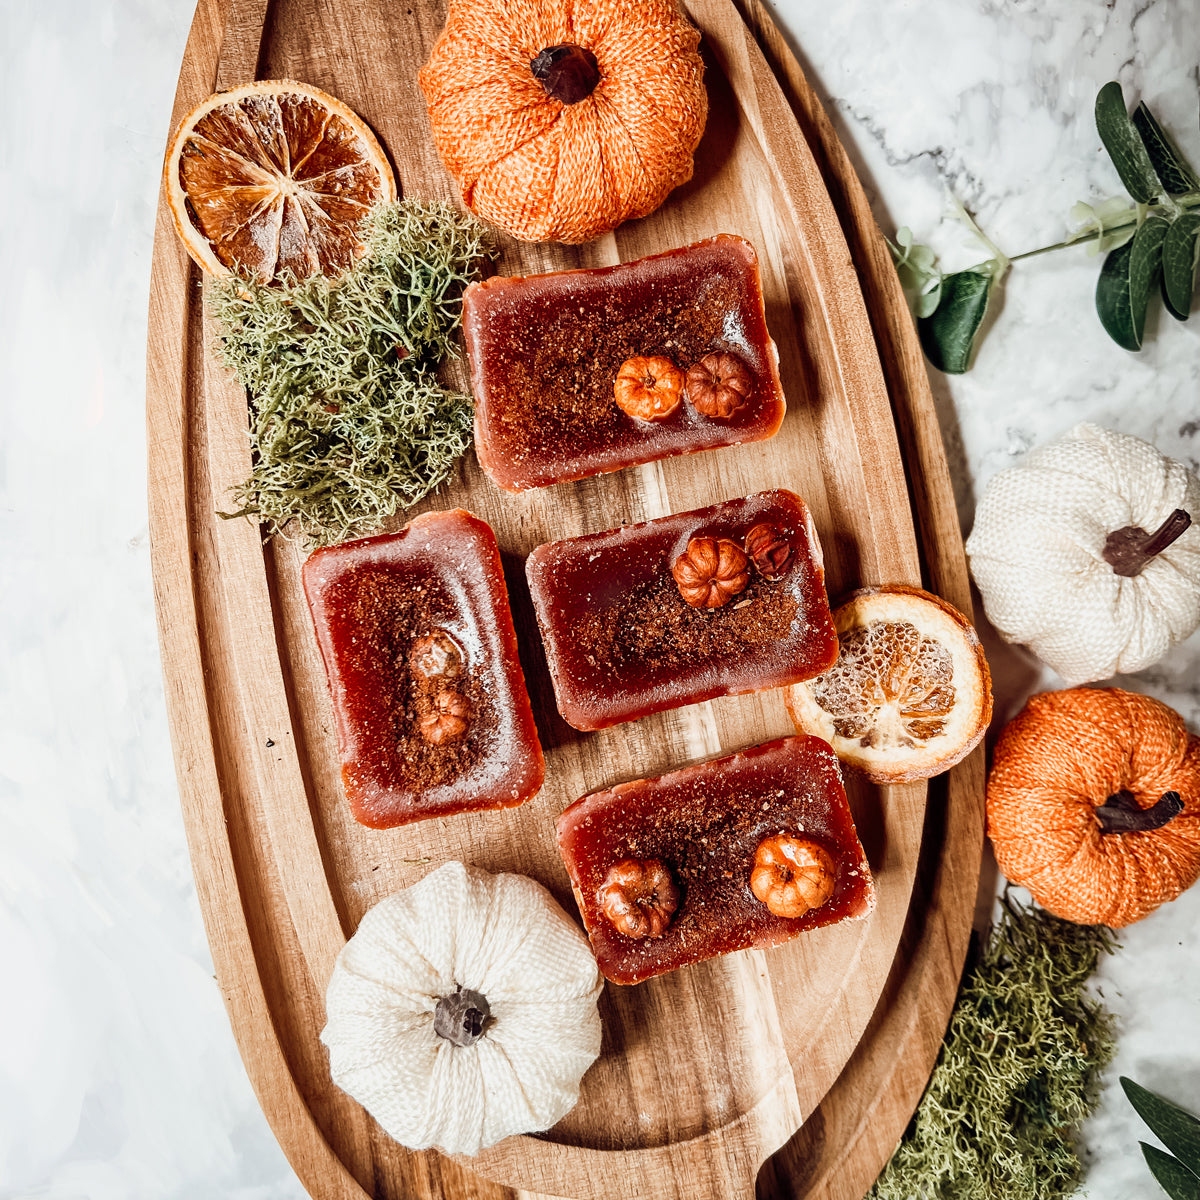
[703,1073]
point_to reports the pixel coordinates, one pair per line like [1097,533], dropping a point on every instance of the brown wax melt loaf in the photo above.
[428,694]
[748,850]
[546,352]
[629,630]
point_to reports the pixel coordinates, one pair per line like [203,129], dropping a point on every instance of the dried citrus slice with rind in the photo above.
[274,177]
[910,694]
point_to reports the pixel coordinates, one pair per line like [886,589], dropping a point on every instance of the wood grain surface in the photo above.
[704,1073]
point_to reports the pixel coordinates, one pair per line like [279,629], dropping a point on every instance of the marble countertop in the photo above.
[118,1074]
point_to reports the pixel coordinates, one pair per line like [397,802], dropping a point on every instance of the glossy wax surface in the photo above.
[704,823]
[371,600]
[621,643]
[545,351]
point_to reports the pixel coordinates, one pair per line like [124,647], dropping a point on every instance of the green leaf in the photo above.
[1176,1180]
[1124,145]
[920,276]
[1172,169]
[1181,251]
[948,333]
[1126,279]
[1177,1129]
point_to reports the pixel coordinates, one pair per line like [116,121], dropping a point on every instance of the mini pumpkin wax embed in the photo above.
[1093,804]
[558,120]
[428,693]
[463,1011]
[748,850]
[580,372]
[649,617]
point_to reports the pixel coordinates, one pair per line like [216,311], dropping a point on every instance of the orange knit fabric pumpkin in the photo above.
[1093,804]
[559,119]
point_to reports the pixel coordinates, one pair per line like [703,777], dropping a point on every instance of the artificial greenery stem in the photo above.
[1153,246]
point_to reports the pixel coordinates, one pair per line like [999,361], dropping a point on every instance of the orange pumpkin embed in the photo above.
[1093,804]
[792,874]
[648,389]
[711,572]
[639,897]
[559,121]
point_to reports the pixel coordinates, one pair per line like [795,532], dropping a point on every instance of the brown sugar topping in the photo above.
[656,626]
[405,625]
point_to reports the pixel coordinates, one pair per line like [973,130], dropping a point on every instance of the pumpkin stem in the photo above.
[568,73]
[1120,813]
[461,1017]
[1129,550]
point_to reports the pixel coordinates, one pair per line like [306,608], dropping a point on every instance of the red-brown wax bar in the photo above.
[428,694]
[545,351]
[704,824]
[622,642]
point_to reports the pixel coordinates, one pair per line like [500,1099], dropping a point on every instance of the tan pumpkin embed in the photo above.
[1093,804]
[559,120]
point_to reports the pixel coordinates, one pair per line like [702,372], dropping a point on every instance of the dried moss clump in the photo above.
[348,422]
[1017,1073]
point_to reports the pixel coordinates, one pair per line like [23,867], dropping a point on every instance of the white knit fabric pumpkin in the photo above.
[502,936]
[1037,554]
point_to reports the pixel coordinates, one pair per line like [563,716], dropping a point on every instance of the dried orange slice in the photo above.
[910,693]
[274,176]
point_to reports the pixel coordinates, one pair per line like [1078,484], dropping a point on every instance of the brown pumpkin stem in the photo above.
[461,1017]
[1120,813]
[1129,550]
[568,73]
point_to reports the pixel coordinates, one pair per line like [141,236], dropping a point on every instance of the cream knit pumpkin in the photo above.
[1037,554]
[501,936]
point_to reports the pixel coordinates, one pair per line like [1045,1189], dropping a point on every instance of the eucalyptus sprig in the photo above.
[1151,244]
[1179,1171]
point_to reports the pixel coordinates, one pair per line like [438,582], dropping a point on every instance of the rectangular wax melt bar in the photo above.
[622,641]
[428,694]
[545,352]
[695,848]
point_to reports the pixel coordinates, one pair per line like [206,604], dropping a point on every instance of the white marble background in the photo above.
[119,1079]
